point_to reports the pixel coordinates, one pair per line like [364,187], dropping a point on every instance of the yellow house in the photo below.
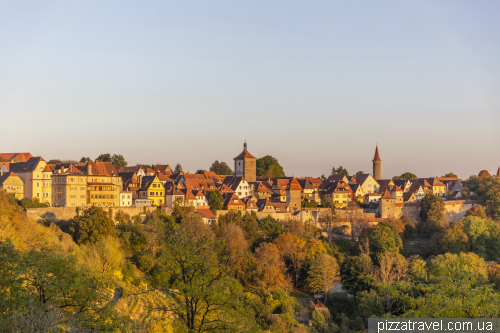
[12,184]
[37,181]
[152,188]
[94,186]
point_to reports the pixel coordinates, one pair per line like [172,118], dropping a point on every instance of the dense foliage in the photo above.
[269,167]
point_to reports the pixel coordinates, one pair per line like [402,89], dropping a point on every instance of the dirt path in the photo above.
[304,309]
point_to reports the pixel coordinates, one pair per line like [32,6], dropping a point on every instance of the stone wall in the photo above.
[67,213]
[455,210]
[261,215]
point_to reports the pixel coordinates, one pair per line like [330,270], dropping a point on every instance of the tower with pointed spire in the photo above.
[377,166]
[245,165]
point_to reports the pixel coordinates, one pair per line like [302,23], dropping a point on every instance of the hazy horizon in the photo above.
[315,85]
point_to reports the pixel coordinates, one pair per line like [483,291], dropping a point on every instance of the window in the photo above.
[73,188]
[82,188]
[83,196]
[235,201]
[37,184]
[72,204]
[73,196]
[37,175]
[151,193]
[104,180]
[154,185]
[19,187]
[239,193]
[239,207]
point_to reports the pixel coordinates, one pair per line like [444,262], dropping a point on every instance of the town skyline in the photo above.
[388,171]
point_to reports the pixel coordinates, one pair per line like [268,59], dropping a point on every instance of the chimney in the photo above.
[1,173]
[70,168]
[89,169]
[140,181]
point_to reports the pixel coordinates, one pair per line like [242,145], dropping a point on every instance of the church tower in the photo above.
[245,165]
[377,166]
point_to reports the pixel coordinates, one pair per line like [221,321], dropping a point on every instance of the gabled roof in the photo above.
[49,168]
[387,195]
[377,156]
[229,200]
[147,181]
[163,168]
[206,213]
[100,169]
[336,178]
[172,189]
[134,169]
[20,157]
[244,154]
[189,194]
[6,175]
[28,166]
[225,189]
[7,165]
[294,185]
[361,178]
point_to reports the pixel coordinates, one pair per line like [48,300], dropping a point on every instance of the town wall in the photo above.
[67,213]
[455,210]
[261,215]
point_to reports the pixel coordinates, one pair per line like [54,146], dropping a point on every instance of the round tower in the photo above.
[377,166]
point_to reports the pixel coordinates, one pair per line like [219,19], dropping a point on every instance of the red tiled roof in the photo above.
[377,156]
[387,195]
[244,154]
[20,157]
[206,213]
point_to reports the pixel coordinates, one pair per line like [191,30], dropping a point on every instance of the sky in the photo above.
[316,84]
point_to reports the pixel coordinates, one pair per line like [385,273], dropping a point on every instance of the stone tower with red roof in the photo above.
[377,166]
[245,165]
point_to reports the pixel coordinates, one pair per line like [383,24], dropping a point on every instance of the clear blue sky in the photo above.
[314,83]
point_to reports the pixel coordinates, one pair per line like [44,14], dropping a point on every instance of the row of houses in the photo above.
[102,184]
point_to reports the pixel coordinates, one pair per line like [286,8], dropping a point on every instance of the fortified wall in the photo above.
[455,210]
[67,213]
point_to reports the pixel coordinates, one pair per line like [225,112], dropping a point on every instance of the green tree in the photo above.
[450,175]
[269,167]
[85,159]
[178,168]
[271,227]
[454,240]
[215,201]
[360,173]
[2,159]
[181,209]
[200,171]
[53,161]
[339,171]
[356,273]
[408,176]
[476,211]
[104,158]
[202,297]
[221,168]
[489,195]
[432,208]
[484,237]
[324,272]
[92,226]
[118,160]
[484,174]
[384,238]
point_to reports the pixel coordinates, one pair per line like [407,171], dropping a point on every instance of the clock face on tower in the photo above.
[239,173]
